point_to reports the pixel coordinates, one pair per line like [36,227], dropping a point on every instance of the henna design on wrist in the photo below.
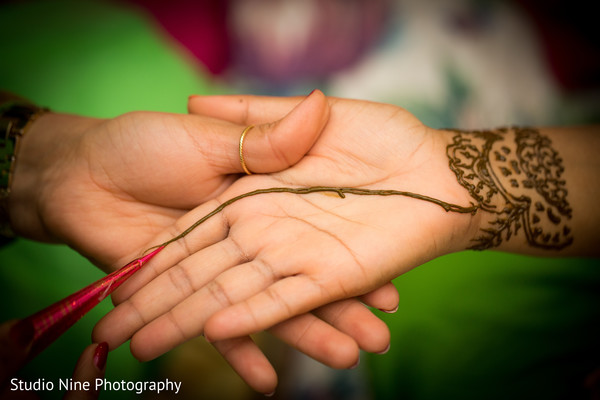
[515,174]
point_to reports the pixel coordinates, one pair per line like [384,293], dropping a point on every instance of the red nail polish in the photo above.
[21,334]
[100,356]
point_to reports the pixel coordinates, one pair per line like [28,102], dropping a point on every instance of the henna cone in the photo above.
[56,319]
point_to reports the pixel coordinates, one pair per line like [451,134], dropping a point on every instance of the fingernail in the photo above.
[100,356]
[389,311]
[22,333]
[270,394]
[355,365]
[314,90]
[385,350]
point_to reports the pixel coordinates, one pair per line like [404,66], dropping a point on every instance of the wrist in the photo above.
[514,176]
[16,116]
[465,227]
[43,158]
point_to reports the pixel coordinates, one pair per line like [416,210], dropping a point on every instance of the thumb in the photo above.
[275,146]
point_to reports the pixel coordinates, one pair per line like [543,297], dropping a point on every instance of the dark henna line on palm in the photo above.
[536,201]
[340,191]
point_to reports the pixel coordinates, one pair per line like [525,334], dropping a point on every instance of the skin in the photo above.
[283,255]
[108,173]
[200,265]
[14,348]
[108,187]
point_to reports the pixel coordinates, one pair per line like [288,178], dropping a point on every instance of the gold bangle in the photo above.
[244,132]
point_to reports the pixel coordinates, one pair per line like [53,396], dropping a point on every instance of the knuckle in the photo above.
[218,291]
[181,280]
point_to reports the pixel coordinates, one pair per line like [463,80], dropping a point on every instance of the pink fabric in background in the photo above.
[341,31]
[225,35]
[199,25]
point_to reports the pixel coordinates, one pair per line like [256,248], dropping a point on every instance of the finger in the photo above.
[274,146]
[16,338]
[335,336]
[243,109]
[358,322]
[118,326]
[213,230]
[319,340]
[165,292]
[385,298]
[186,320]
[282,293]
[249,363]
[270,306]
[90,366]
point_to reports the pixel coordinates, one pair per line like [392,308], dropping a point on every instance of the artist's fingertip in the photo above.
[100,356]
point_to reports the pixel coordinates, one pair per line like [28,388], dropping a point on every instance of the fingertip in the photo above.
[261,379]
[100,356]
[139,352]
[392,311]
[194,103]
[344,354]
[112,329]
[120,295]
[376,338]
[381,343]
[90,366]
[315,102]
[384,298]
[385,350]
[216,328]
[101,335]
[155,339]
[358,322]
[249,362]
[282,144]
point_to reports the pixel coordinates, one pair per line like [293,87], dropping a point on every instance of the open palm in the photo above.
[270,257]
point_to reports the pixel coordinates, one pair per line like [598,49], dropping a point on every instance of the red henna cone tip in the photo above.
[147,257]
[100,356]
